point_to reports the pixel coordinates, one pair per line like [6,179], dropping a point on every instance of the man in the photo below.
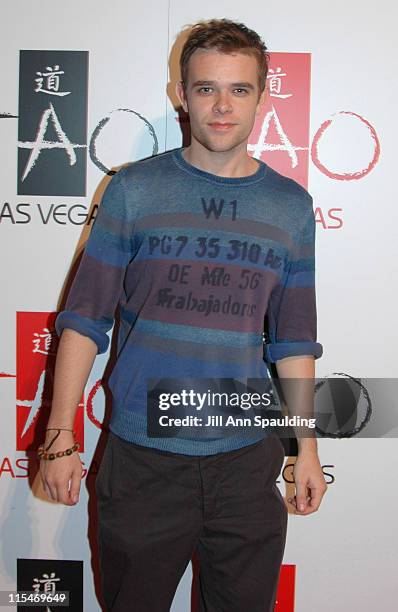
[197,246]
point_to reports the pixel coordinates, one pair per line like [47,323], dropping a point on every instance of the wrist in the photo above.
[59,442]
[58,438]
[307,445]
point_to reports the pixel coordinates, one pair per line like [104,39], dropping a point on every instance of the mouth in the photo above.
[222,127]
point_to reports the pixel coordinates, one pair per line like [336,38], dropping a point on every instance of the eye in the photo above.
[241,90]
[204,87]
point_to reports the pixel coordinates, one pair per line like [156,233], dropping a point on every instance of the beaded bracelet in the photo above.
[43,454]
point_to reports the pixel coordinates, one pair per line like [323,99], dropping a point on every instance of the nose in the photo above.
[222,103]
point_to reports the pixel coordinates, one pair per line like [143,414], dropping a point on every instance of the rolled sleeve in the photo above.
[96,330]
[280,350]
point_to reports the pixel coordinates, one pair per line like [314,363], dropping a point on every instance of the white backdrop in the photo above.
[346,553]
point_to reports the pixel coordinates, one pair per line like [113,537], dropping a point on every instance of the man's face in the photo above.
[222,98]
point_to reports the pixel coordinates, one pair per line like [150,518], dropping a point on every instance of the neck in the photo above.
[233,164]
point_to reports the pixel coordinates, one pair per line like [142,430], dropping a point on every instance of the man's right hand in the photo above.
[57,473]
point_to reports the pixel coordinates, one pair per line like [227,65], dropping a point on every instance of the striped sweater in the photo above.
[196,263]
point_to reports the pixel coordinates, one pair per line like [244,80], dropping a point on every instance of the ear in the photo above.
[261,101]
[180,93]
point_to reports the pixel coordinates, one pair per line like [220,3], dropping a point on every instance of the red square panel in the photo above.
[37,344]
[281,133]
[285,592]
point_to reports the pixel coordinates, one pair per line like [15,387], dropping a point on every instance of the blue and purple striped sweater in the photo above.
[196,262]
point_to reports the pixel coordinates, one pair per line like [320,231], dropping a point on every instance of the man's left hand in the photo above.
[310,483]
